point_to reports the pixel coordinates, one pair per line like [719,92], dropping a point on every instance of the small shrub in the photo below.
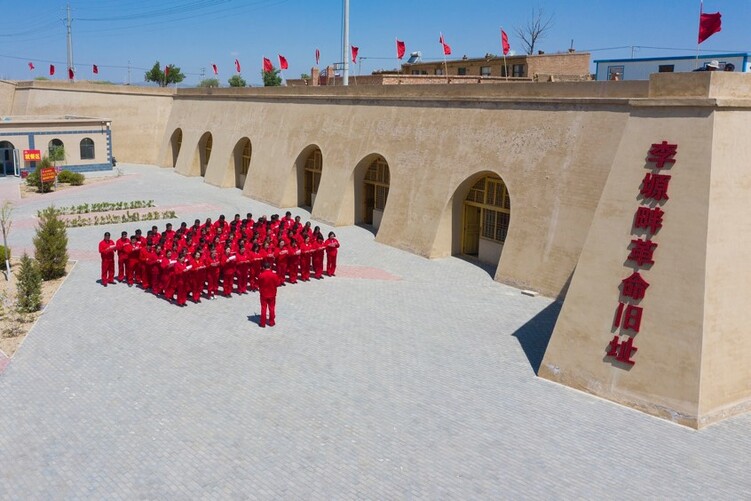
[74,178]
[35,178]
[29,286]
[4,251]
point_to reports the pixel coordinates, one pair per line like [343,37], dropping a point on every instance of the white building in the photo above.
[641,68]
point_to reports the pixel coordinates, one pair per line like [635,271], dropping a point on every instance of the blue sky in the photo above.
[193,34]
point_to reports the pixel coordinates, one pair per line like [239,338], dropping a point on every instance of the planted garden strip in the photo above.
[105,207]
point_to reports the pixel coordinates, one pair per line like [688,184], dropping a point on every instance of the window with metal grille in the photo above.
[490,195]
[378,176]
[87,149]
[517,70]
[485,71]
[246,158]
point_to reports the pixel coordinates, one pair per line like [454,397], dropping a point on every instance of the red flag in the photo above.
[166,73]
[401,48]
[96,69]
[267,66]
[52,69]
[446,47]
[31,66]
[318,56]
[216,70]
[355,50]
[283,62]
[71,75]
[237,65]
[504,43]
[709,24]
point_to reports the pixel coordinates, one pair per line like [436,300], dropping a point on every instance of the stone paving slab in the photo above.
[401,378]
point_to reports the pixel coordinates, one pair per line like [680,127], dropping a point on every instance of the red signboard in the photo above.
[32,155]
[48,174]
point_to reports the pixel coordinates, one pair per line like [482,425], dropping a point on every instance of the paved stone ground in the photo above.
[400,378]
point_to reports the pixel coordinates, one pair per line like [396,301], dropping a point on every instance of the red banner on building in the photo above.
[32,155]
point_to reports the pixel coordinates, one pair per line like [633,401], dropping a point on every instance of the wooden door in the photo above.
[471,238]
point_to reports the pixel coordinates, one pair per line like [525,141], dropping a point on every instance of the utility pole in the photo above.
[129,71]
[203,73]
[345,48]
[70,41]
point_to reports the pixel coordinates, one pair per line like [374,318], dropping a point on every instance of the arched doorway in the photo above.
[312,177]
[7,158]
[241,159]
[204,152]
[485,219]
[375,190]
[176,142]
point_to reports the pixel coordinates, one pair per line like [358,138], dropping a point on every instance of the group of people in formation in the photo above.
[220,257]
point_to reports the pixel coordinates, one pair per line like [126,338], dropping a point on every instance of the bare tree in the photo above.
[535,30]
[6,222]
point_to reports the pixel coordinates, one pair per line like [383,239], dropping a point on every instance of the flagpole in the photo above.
[503,51]
[701,11]
[445,65]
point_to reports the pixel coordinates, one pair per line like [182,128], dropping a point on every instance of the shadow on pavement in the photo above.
[534,336]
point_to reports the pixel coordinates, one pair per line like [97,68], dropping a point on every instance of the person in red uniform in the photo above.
[199,275]
[255,258]
[229,268]
[147,254]
[122,256]
[318,250]
[168,275]
[107,251]
[181,270]
[243,269]
[293,261]
[212,274]
[332,249]
[155,269]
[306,253]
[134,260]
[282,256]
[268,282]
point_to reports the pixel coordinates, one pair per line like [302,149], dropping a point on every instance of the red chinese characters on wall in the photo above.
[648,220]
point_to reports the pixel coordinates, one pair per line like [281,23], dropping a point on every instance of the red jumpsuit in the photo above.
[212,275]
[255,269]
[332,248]
[243,271]
[268,281]
[122,257]
[168,280]
[147,259]
[306,252]
[134,263]
[107,251]
[229,267]
[281,263]
[155,272]
[199,277]
[318,250]
[293,264]
[180,272]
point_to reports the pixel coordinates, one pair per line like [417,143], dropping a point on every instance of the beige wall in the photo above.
[139,114]
[7,91]
[434,153]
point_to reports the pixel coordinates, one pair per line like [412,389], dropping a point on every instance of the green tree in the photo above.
[271,78]
[304,76]
[28,286]
[57,153]
[237,81]
[51,244]
[41,78]
[156,74]
[209,82]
